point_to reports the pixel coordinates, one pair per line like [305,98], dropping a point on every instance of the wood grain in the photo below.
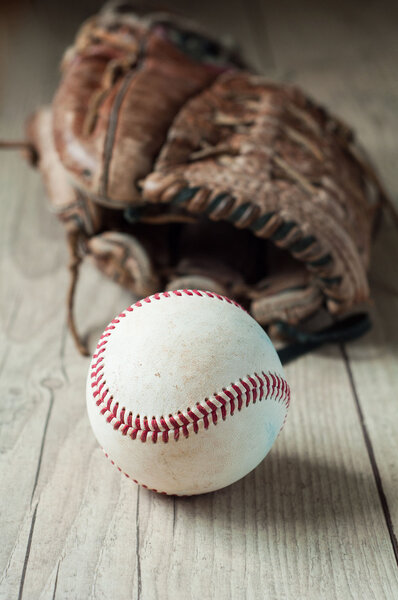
[310,521]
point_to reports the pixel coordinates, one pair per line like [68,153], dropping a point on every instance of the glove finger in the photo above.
[122,258]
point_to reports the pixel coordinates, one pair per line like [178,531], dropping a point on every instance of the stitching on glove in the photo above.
[272,225]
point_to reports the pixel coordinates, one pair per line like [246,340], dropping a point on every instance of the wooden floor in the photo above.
[316,519]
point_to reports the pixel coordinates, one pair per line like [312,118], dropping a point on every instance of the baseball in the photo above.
[186,393]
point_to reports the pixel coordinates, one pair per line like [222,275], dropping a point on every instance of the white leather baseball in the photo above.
[186,393]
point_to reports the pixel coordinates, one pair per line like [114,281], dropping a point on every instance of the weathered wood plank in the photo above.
[362,88]
[368,103]
[310,512]
[331,32]
[375,375]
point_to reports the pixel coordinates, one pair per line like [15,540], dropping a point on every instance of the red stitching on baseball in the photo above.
[210,404]
[135,481]
[238,392]
[202,409]
[247,391]
[242,393]
[220,399]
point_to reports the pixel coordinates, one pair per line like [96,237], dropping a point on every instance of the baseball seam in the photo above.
[248,390]
[132,479]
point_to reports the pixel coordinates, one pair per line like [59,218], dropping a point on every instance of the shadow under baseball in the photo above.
[289,494]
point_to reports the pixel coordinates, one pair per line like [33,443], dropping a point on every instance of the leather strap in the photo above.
[350,328]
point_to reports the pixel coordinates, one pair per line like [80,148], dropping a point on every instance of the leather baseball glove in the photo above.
[173,166]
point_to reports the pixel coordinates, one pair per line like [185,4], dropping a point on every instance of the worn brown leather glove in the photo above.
[174,167]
